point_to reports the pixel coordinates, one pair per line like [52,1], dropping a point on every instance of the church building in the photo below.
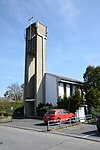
[39,86]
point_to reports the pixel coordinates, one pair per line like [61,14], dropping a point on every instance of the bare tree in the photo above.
[14,92]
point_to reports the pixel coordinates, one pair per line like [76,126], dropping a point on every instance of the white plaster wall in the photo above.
[61,90]
[68,90]
[50,89]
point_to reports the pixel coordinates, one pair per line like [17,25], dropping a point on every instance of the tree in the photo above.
[92,78]
[62,102]
[70,103]
[92,86]
[14,92]
[93,97]
[75,101]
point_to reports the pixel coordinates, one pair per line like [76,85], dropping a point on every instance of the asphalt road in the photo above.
[88,131]
[21,139]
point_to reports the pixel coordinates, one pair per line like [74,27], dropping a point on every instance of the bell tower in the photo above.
[35,67]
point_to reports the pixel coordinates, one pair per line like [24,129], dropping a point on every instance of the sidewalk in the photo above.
[83,131]
[29,124]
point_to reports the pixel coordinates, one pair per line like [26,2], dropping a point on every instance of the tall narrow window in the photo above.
[65,88]
[71,89]
[31,45]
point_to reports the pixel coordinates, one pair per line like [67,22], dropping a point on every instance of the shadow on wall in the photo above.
[30,89]
[30,94]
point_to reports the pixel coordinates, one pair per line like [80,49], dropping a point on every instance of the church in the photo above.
[40,86]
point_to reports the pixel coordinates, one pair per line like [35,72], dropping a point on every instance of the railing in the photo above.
[68,121]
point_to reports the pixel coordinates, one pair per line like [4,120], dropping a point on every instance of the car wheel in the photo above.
[73,120]
[58,120]
[99,130]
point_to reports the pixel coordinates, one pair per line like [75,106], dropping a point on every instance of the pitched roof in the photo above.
[62,78]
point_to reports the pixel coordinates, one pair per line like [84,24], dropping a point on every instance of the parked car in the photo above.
[98,123]
[56,115]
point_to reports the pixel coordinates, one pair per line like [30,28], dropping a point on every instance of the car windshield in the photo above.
[66,111]
[51,112]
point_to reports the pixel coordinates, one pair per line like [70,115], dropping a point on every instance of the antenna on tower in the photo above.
[30,20]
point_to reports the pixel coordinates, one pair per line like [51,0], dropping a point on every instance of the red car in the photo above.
[57,115]
[98,123]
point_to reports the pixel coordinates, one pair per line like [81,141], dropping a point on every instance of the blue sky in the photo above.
[73,40]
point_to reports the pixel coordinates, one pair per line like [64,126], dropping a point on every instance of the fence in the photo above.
[68,121]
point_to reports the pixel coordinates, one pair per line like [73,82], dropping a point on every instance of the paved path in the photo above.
[32,124]
[19,139]
[86,131]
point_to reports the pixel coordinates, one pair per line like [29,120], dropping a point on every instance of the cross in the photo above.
[30,19]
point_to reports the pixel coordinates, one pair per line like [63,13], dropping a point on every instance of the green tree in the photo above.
[70,103]
[92,78]
[75,101]
[60,102]
[93,97]
[92,87]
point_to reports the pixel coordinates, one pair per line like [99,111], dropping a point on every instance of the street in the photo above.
[88,130]
[20,139]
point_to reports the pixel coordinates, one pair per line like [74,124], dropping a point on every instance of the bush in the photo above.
[43,108]
[5,108]
[95,112]
[7,105]
[18,113]
[70,103]
[4,114]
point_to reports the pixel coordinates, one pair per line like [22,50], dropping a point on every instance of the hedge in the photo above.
[5,107]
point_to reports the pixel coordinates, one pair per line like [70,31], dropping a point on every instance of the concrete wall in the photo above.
[50,89]
[35,66]
[40,63]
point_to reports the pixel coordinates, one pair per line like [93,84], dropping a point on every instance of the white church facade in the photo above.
[39,86]
[56,86]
